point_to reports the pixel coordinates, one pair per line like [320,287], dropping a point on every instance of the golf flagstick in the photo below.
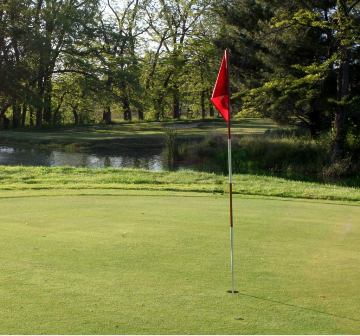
[221,99]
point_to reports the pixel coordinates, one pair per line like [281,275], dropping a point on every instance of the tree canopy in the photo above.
[72,61]
[298,63]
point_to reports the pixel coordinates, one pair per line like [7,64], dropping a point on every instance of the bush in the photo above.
[171,151]
[239,161]
[288,154]
[209,148]
[352,143]
[273,152]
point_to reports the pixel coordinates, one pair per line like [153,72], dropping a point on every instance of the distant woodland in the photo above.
[83,61]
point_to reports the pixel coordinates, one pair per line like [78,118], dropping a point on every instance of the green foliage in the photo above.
[213,144]
[352,142]
[273,152]
[297,63]
[171,150]
[89,63]
[299,155]
[239,161]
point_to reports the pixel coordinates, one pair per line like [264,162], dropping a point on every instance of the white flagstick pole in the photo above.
[231,211]
[230,179]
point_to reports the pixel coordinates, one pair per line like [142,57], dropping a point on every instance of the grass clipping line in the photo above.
[68,178]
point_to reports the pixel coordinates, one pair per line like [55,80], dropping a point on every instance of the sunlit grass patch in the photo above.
[159,264]
[65,178]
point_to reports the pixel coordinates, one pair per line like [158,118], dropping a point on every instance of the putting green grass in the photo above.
[151,262]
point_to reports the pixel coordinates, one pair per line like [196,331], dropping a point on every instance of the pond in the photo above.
[14,155]
[11,155]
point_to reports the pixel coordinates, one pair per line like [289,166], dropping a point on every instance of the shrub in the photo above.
[239,161]
[209,148]
[280,152]
[171,151]
[287,154]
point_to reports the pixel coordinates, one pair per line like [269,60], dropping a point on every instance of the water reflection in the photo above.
[16,155]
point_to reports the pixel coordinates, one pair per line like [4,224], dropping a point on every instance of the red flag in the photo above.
[221,94]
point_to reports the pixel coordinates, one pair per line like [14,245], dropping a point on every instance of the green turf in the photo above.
[111,251]
[57,179]
[137,131]
[158,262]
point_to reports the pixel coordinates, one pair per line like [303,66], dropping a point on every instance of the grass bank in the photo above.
[68,178]
[131,135]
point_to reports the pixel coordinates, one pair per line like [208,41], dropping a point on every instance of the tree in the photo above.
[61,26]
[38,37]
[15,58]
[74,98]
[173,25]
[199,76]
[119,35]
[298,61]
[346,25]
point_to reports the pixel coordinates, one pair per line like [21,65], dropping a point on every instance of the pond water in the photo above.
[26,156]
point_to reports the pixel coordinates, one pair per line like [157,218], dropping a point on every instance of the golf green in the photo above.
[159,263]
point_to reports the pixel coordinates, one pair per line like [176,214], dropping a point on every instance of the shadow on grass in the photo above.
[299,307]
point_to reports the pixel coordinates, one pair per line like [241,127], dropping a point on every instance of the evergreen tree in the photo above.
[294,61]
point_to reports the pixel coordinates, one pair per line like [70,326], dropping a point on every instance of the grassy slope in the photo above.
[57,179]
[128,133]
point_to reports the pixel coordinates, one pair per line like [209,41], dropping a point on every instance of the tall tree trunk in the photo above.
[126,107]
[23,115]
[158,102]
[107,115]
[211,106]
[203,111]
[57,110]
[342,92]
[16,115]
[31,116]
[47,100]
[76,114]
[4,121]
[39,117]
[211,110]
[107,111]
[176,108]
[39,111]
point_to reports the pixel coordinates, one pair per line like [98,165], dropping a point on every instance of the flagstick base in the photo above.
[233,292]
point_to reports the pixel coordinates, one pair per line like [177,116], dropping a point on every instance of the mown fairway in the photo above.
[152,262]
[137,131]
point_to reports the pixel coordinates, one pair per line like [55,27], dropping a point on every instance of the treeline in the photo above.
[73,61]
[82,60]
[298,63]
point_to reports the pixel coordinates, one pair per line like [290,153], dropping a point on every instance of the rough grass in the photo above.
[108,179]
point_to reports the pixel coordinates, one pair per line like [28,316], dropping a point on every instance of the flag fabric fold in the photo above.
[221,94]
